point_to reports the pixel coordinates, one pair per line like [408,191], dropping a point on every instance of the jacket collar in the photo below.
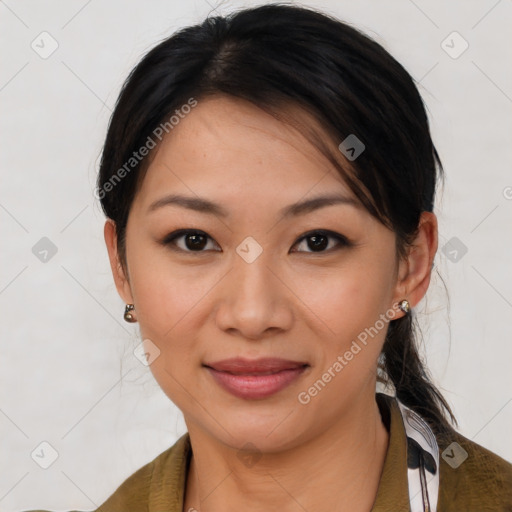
[168,479]
[393,490]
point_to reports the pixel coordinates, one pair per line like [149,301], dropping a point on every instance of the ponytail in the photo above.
[402,367]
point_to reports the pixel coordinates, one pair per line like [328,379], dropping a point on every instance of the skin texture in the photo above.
[291,302]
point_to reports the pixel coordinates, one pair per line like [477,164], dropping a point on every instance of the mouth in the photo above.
[255,379]
[262,366]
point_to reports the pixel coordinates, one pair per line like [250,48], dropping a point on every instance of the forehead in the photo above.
[228,147]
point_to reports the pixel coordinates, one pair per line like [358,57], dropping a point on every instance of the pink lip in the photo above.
[257,378]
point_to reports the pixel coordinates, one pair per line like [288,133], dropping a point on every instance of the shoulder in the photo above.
[158,485]
[472,478]
[146,486]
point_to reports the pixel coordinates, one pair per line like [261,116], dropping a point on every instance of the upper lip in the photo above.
[240,365]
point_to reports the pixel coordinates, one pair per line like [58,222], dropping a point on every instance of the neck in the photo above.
[338,470]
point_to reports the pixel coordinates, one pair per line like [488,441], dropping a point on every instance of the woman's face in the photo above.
[253,286]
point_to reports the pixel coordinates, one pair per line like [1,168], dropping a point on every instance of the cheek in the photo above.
[167,313]
[165,292]
[350,299]
[168,299]
[351,305]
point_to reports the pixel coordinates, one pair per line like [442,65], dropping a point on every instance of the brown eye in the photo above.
[318,241]
[193,240]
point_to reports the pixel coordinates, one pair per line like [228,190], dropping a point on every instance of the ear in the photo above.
[120,278]
[415,270]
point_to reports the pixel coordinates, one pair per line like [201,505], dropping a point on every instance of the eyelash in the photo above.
[342,240]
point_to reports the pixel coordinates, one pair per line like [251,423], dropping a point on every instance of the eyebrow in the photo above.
[205,206]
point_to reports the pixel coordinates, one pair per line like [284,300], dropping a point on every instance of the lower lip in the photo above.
[256,386]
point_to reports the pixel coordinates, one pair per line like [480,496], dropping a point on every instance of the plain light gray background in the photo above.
[68,374]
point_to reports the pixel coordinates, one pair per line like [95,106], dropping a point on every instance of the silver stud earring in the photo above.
[404,306]
[128,315]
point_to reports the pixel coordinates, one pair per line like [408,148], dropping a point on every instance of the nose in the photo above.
[253,301]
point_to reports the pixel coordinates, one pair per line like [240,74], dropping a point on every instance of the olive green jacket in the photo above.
[481,483]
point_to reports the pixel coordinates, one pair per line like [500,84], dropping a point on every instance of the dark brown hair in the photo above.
[276,56]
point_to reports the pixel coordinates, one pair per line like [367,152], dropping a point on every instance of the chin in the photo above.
[266,433]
